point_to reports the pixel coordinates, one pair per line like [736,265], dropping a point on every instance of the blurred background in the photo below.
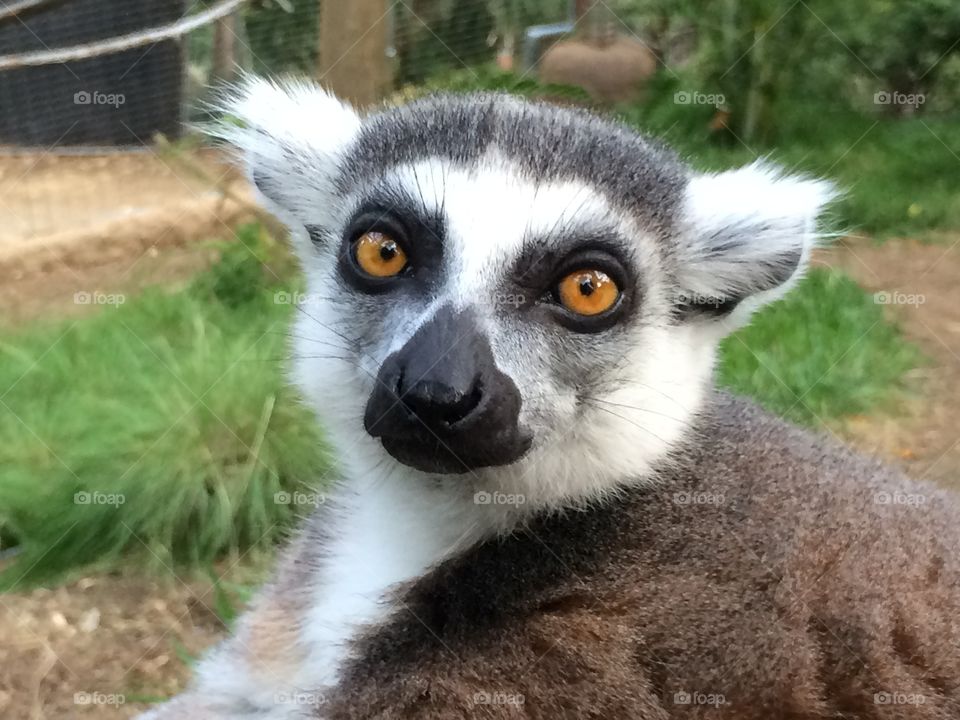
[152,454]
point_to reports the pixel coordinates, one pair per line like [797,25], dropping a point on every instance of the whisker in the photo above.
[610,402]
[636,425]
[631,407]
[318,357]
[350,341]
[318,341]
[285,359]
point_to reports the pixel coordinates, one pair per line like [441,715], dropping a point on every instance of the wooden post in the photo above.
[224,48]
[353,43]
[585,18]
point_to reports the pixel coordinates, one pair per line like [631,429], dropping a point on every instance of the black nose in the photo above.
[441,403]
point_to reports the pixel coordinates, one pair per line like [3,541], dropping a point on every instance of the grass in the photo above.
[162,427]
[823,352]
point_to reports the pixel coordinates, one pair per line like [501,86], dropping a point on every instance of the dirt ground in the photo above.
[920,282]
[83,223]
[103,645]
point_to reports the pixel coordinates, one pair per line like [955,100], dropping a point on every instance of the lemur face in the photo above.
[495,306]
[522,296]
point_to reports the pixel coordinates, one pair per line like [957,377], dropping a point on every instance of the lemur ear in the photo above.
[746,238]
[290,136]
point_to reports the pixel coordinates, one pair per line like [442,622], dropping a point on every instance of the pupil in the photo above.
[586,286]
[388,251]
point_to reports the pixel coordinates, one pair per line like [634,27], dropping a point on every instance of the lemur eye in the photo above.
[379,255]
[588,292]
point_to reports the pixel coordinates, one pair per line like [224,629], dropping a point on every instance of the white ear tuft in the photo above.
[290,135]
[746,238]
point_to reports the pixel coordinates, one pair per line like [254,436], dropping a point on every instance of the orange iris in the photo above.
[588,292]
[379,255]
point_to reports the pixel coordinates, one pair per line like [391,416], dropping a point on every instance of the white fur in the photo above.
[393,529]
[285,130]
[772,213]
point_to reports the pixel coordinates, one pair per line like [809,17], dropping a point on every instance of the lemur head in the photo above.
[511,296]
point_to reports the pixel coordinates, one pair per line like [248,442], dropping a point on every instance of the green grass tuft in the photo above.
[823,352]
[174,404]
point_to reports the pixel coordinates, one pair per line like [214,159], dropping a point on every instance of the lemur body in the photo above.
[544,510]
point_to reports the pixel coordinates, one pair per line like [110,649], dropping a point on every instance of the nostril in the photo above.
[441,405]
[466,405]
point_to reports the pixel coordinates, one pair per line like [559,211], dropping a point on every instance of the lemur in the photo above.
[544,508]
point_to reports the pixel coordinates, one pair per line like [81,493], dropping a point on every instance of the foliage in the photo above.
[902,44]
[513,16]
[487,78]
[283,35]
[767,56]
[440,35]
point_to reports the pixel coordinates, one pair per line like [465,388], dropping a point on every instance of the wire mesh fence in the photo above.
[98,98]
[110,73]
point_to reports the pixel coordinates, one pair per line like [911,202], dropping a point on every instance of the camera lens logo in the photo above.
[498,498]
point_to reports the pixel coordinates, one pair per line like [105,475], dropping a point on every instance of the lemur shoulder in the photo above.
[544,509]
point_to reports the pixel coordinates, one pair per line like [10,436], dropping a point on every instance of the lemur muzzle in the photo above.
[441,403]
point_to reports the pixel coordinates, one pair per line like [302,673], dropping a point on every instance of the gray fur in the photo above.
[548,142]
